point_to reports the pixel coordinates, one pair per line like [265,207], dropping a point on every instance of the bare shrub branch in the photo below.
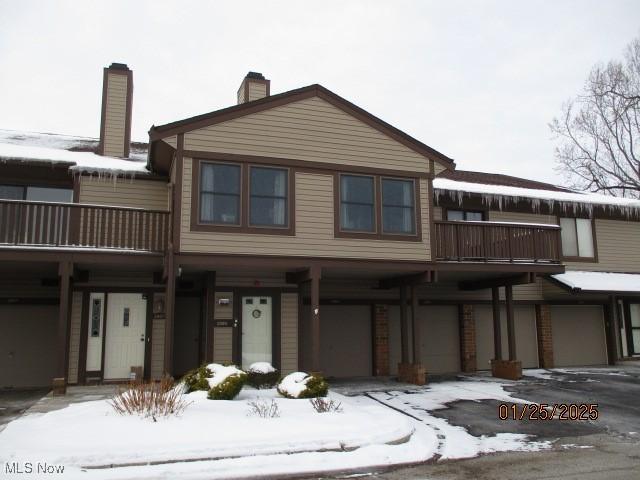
[323,405]
[149,399]
[263,409]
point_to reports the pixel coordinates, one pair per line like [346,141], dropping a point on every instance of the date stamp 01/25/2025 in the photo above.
[542,411]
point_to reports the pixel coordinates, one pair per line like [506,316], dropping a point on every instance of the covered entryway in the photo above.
[578,335]
[27,345]
[525,333]
[126,335]
[440,338]
[345,341]
[187,334]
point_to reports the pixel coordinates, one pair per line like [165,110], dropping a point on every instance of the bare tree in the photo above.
[598,131]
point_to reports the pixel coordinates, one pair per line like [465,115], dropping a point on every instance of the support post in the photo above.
[511,330]
[65,270]
[497,326]
[170,301]
[510,369]
[404,329]
[315,319]
[610,330]
[415,326]
[210,308]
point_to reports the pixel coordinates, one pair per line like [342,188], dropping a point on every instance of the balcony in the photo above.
[497,242]
[64,225]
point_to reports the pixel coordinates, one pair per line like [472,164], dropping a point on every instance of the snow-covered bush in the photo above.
[197,379]
[262,375]
[303,385]
[226,382]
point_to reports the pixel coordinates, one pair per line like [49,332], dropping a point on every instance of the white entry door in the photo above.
[125,334]
[256,330]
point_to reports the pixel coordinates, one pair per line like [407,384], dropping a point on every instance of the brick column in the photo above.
[467,339]
[545,336]
[381,340]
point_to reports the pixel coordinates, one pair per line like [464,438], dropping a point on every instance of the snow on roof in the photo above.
[582,281]
[504,194]
[77,152]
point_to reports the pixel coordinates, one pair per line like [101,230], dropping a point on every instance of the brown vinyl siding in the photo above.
[519,217]
[157,348]
[74,336]
[617,244]
[149,194]
[314,228]
[223,344]
[115,115]
[312,130]
[289,333]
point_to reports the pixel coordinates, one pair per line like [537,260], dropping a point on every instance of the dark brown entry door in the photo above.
[186,334]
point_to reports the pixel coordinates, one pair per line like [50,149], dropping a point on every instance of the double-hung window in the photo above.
[268,197]
[577,237]
[34,193]
[357,203]
[220,194]
[464,216]
[398,206]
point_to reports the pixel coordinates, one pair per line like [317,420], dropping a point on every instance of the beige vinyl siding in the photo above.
[223,344]
[618,247]
[157,348]
[74,336]
[519,217]
[136,193]
[257,91]
[311,130]
[115,115]
[223,336]
[437,213]
[289,333]
[314,229]
[173,141]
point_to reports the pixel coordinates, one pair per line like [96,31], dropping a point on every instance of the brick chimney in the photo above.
[115,123]
[253,87]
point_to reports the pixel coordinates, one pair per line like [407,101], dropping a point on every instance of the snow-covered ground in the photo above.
[218,439]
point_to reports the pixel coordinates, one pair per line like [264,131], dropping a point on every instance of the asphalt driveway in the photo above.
[605,448]
[14,403]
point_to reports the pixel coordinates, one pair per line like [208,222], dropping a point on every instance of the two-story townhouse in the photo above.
[297,229]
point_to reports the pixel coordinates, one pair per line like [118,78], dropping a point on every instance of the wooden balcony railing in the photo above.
[497,242]
[48,224]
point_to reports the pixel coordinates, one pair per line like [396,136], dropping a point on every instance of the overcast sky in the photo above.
[477,80]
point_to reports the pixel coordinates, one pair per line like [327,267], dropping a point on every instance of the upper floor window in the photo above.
[242,198]
[220,194]
[465,215]
[357,203]
[577,237]
[34,193]
[268,197]
[398,206]
[377,206]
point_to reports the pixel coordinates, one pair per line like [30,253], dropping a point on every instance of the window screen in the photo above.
[220,194]
[357,203]
[398,210]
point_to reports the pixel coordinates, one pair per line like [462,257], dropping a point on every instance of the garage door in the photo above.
[526,337]
[440,342]
[578,335]
[27,345]
[345,340]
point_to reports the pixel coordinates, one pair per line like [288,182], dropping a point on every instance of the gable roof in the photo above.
[235,111]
